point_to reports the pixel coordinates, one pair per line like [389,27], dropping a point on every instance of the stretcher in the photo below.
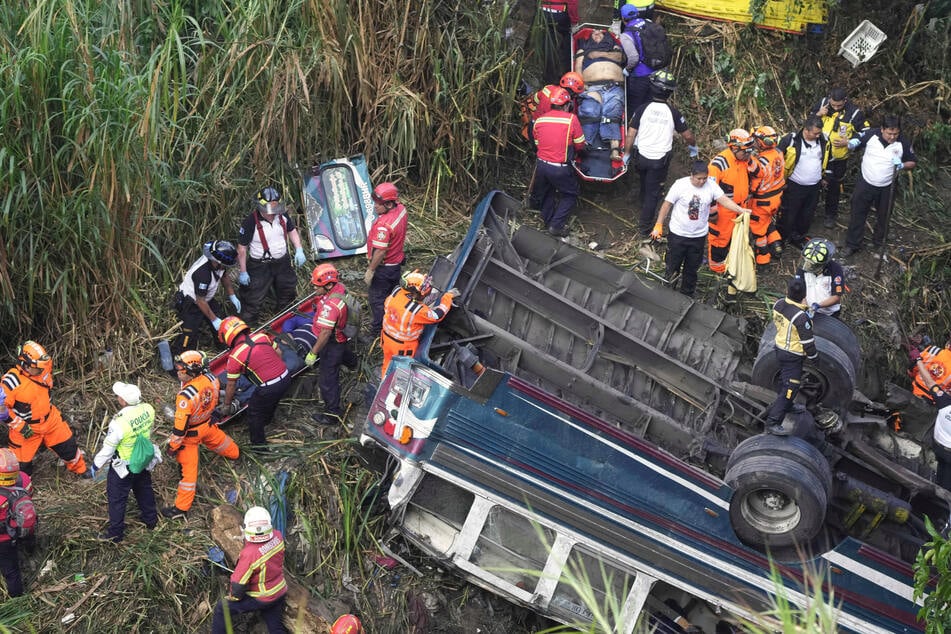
[594,163]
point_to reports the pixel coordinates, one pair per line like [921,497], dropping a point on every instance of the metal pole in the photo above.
[888,219]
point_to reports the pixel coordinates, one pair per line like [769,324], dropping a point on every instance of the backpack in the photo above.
[21,514]
[354,315]
[142,454]
[656,52]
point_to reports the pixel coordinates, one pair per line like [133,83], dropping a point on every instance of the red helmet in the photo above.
[386,192]
[230,328]
[740,139]
[33,355]
[573,82]
[10,469]
[765,136]
[347,624]
[559,97]
[324,274]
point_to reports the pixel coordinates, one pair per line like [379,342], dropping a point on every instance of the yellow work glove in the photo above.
[310,359]
[658,231]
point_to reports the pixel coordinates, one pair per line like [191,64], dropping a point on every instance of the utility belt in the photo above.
[553,164]
[604,82]
[267,259]
[273,381]
[769,194]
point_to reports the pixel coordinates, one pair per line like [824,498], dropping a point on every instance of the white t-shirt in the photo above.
[691,206]
[942,424]
[656,123]
[808,170]
[878,167]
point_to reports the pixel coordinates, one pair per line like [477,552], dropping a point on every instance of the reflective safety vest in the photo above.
[260,570]
[134,420]
[732,175]
[28,397]
[195,403]
[405,317]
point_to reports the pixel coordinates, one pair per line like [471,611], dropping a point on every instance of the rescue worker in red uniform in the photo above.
[558,16]
[255,356]
[766,188]
[257,583]
[407,314]
[730,169]
[263,255]
[11,476]
[541,100]
[34,420]
[384,250]
[193,426]
[332,346]
[558,135]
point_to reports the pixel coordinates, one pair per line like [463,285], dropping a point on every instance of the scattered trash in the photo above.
[217,557]
[69,618]
[385,562]
[79,577]
[862,43]
[47,568]
[231,496]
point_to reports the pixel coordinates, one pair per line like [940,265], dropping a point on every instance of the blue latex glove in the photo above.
[243,278]
[216,323]
[853,143]
[235,302]
[897,162]
[694,151]
[299,257]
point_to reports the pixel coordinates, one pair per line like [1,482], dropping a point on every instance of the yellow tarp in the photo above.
[785,15]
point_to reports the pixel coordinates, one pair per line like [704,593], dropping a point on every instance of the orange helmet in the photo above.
[573,82]
[765,137]
[419,282]
[194,362]
[324,274]
[347,624]
[10,469]
[33,355]
[386,192]
[559,97]
[230,328]
[739,139]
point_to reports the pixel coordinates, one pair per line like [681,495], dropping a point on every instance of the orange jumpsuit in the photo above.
[766,186]
[193,407]
[938,362]
[28,400]
[403,322]
[733,177]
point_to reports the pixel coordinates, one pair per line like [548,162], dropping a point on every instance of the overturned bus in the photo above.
[572,423]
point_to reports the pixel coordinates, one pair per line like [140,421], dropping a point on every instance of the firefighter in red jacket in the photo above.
[557,16]
[384,250]
[407,314]
[10,476]
[731,171]
[558,135]
[194,406]
[766,188]
[257,583]
[34,420]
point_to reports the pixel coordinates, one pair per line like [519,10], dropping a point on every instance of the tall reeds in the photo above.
[132,131]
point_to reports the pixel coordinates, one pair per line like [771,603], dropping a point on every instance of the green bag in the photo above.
[142,454]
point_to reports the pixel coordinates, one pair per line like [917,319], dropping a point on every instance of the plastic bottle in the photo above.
[165,355]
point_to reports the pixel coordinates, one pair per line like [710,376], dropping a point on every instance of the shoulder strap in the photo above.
[261,237]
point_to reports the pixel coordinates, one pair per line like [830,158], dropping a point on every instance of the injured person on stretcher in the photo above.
[600,61]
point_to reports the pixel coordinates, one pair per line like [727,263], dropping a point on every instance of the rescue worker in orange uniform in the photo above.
[332,346]
[34,420]
[937,361]
[558,135]
[407,314]
[193,426]
[766,188]
[730,169]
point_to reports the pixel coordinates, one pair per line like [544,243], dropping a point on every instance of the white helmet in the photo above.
[257,525]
